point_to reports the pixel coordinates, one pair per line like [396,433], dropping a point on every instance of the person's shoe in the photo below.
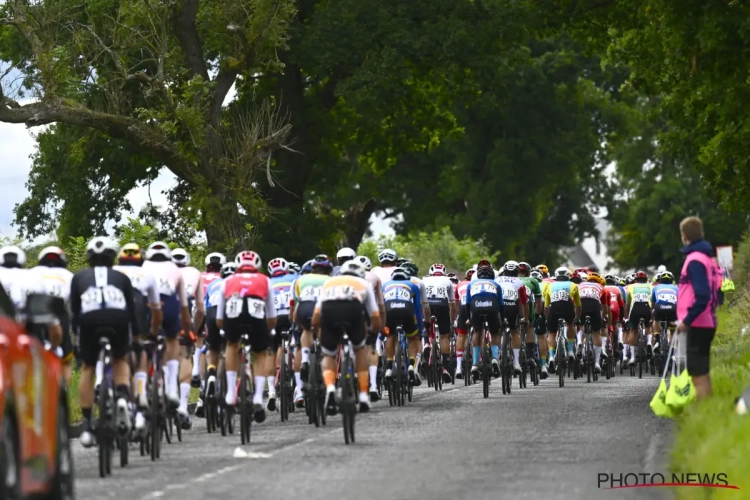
[123,416]
[517,367]
[374,395]
[183,418]
[195,381]
[388,374]
[545,373]
[299,398]
[414,377]
[475,373]
[140,424]
[173,400]
[551,364]
[330,403]
[271,405]
[364,402]
[88,439]
[446,376]
[495,368]
[597,367]
[199,410]
[259,413]
[304,371]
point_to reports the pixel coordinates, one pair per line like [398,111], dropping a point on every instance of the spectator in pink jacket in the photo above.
[697,299]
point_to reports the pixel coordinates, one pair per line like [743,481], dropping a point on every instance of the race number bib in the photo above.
[436,292]
[281,301]
[589,293]
[310,293]
[233,307]
[108,297]
[640,297]
[397,294]
[484,287]
[559,296]
[510,294]
[669,298]
[256,308]
[343,292]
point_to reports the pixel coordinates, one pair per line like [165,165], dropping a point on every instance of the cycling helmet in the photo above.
[667,278]
[277,266]
[641,276]
[593,268]
[524,268]
[12,256]
[662,268]
[215,259]
[228,269]
[453,278]
[353,268]
[411,268]
[345,254]
[511,267]
[181,257]
[158,248]
[469,274]
[322,260]
[401,261]
[595,278]
[537,275]
[437,270]
[131,253]
[294,268]
[387,255]
[562,274]
[400,274]
[54,256]
[576,277]
[101,245]
[621,282]
[249,261]
[306,267]
[544,270]
[365,261]
[656,277]
[611,280]
[485,272]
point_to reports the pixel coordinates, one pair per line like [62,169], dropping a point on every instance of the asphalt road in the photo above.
[539,442]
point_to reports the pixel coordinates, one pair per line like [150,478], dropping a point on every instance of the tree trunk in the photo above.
[358,222]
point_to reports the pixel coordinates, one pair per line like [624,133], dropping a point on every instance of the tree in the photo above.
[136,78]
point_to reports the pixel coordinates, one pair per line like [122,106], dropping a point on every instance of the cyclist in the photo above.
[595,305]
[413,272]
[442,300]
[305,297]
[536,308]
[281,284]
[402,300]
[387,258]
[561,301]
[540,326]
[175,312]
[664,300]
[246,301]
[373,338]
[463,316]
[147,319]
[616,307]
[640,309]
[53,269]
[484,301]
[344,255]
[214,338]
[102,297]
[515,311]
[342,299]
[306,268]
[294,268]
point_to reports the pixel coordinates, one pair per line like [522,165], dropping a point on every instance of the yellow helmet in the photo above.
[543,269]
[596,277]
[131,252]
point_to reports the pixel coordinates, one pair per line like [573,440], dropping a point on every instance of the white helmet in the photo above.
[562,272]
[278,265]
[102,245]
[181,257]
[365,261]
[158,248]
[12,255]
[54,252]
[346,253]
[248,259]
[437,270]
[511,266]
[662,268]
[387,255]
[215,258]
[353,267]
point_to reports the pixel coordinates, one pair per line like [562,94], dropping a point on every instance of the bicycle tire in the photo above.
[124,443]
[347,398]
[244,417]
[311,391]
[154,427]
[486,376]
[221,392]
[438,366]
[101,429]
[561,362]
[283,403]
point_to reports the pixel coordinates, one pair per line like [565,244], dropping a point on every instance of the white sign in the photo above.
[725,256]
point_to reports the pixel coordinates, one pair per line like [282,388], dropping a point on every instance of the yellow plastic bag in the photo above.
[681,392]
[727,285]
[658,402]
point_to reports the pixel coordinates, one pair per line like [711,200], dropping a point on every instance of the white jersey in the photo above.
[439,290]
[168,279]
[383,273]
[19,284]
[193,280]
[56,281]
[422,290]
[142,280]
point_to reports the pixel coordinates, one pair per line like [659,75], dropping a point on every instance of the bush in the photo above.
[425,249]
[742,263]
[710,437]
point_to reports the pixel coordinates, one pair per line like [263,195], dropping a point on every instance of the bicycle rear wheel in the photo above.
[398,375]
[486,371]
[283,402]
[154,422]
[246,415]
[221,394]
[348,409]
[102,430]
[437,358]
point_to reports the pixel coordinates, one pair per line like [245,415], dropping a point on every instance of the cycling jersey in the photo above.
[664,300]
[424,304]
[402,305]
[207,278]
[193,280]
[377,287]
[463,312]
[214,339]
[172,293]
[440,295]
[246,301]
[484,300]
[57,284]
[593,301]
[282,293]
[145,293]
[19,284]
[534,292]
[306,293]
[616,302]
[561,297]
[639,293]
[383,273]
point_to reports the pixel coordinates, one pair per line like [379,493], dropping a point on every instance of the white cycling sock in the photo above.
[260,384]
[459,360]
[604,343]
[99,373]
[516,353]
[579,337]
[232,387]
[619,335]
[196,363]
[648,339]
[172,369]
[597,354]
[271,384]
[379,347]
[305,354]
[632,351]
[373,378]
[298,379]
[184,393]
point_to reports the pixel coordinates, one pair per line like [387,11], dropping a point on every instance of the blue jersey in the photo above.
[484,288]
[407,291]
[282,293]
[213,292]
[664,295]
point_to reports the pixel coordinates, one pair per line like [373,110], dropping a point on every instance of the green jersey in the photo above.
[307,287]
[534,291]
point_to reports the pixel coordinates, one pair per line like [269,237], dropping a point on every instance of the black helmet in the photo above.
[485,272]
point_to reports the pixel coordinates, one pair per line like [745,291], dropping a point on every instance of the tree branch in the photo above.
[151,139]
[190,43]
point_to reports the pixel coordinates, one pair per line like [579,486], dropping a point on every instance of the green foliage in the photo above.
[741,263]
[425,249]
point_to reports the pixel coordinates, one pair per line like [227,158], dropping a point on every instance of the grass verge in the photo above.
[709,437]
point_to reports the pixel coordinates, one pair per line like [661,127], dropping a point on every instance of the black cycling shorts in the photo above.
[282,325]
[558,311]
[142,313]
[596,318]
[511,314]
[442,313]
[463,317]
[67,340]
[214,340]
[640,311]
[699,350]
[668,314]
[256,329]
[305,312]
[487,309]
[89,334]
[338,316]
[400,312]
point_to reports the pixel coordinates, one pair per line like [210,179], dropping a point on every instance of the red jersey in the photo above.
[460,291]
[616,301]
[249,293]
[207,278]
[590,291]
